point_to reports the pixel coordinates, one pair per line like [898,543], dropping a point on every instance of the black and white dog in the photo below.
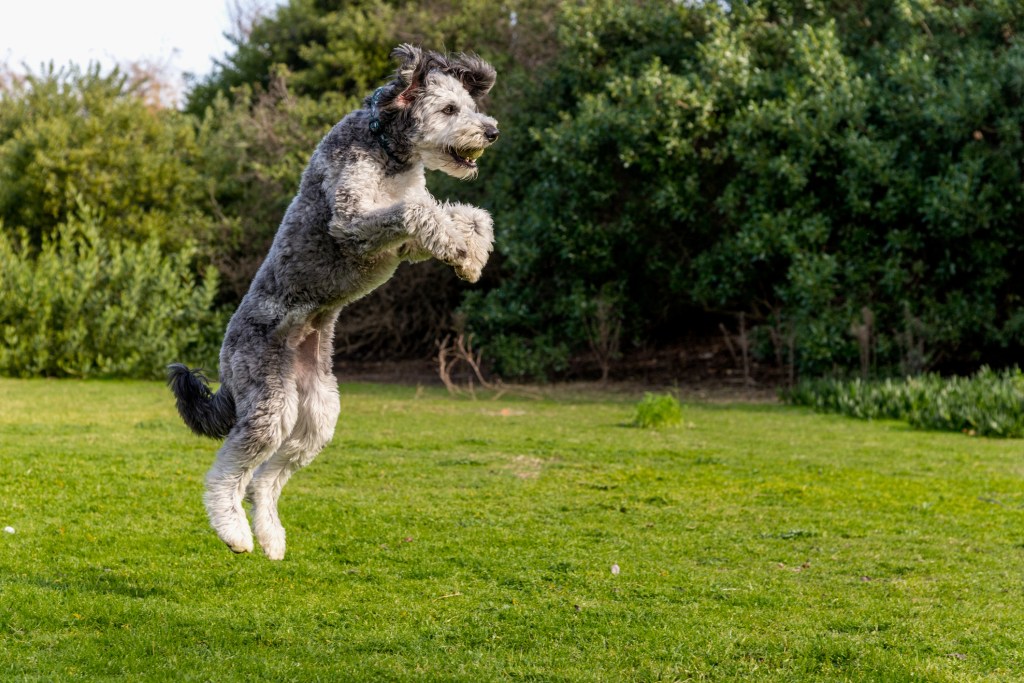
[362,208]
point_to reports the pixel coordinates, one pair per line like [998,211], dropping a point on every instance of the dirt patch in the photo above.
[505,412]
[703,371]
[409,372]
[526,467]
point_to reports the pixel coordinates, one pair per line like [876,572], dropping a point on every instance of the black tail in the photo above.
[205,413]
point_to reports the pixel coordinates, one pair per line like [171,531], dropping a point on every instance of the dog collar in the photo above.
[377,128]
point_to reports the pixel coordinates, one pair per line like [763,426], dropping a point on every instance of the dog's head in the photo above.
[434,101]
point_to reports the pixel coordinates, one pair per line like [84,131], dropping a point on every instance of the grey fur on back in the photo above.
[361,209]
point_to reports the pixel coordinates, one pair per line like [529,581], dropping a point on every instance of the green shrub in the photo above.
[657,410]
[989,403]
[519,359]
[887,399]
[74,135]
[88,306]
[767,158]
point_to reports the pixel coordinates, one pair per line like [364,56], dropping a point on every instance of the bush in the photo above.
[795,161]
[77,135]
[867,400]
[989,403]
[88,306]
[657,410]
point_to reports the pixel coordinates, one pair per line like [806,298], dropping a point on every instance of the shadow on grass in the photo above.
[107,582]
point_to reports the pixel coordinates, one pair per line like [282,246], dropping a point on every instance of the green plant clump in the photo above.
[85,305]
[988,403]
[657,410]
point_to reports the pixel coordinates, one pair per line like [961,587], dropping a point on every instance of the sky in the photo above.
[183,35]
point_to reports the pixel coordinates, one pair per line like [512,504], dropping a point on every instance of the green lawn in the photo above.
[450,539]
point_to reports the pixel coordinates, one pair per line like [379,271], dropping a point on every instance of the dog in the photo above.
[362,208]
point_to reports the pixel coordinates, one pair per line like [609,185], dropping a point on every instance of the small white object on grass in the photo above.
[615,569]
[9,529]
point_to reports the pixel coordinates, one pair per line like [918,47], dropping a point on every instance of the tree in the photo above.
[798,162]
[85,305]
[73,137]
[792,161]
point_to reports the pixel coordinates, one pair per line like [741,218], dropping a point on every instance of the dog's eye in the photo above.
[450,109]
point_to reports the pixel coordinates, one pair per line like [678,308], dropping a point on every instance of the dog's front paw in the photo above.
[476,229]
[469,271]
[473,223]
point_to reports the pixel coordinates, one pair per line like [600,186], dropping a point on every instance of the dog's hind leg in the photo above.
[254,439]
[318,408]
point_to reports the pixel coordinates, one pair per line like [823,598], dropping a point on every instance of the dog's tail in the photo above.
[205,413]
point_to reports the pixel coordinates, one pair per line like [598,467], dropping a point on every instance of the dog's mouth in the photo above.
[466,157]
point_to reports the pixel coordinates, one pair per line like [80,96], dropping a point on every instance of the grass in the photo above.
[458,540]
[657,410]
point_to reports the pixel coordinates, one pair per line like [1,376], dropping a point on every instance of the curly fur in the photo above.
[362,208]
[205,413]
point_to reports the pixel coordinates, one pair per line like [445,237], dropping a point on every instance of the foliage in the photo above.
[339,49]
[89,305]
[988,403]
[438,540]
[76,137]
[696,159]
[343,49]
[867,400]
[657,410]
[253,150]
[795,161]
[845,175]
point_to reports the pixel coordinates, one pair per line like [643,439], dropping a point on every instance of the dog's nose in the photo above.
[491,133]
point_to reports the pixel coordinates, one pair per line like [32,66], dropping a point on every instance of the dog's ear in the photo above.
[413,65]
[476,75]
[409,74]
[409,58]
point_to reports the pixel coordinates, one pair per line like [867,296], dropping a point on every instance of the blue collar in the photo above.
[377,129]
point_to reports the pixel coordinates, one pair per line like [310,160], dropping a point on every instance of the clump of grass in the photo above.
[657,410]
[988,403]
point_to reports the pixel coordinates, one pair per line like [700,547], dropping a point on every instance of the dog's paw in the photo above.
[475,228]
[469,262]
[236,535]
[469,271]
[272,541]
[473,223]
[223,500]
[265,524]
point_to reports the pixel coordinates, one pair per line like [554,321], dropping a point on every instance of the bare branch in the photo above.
[450,353]
[243,15]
